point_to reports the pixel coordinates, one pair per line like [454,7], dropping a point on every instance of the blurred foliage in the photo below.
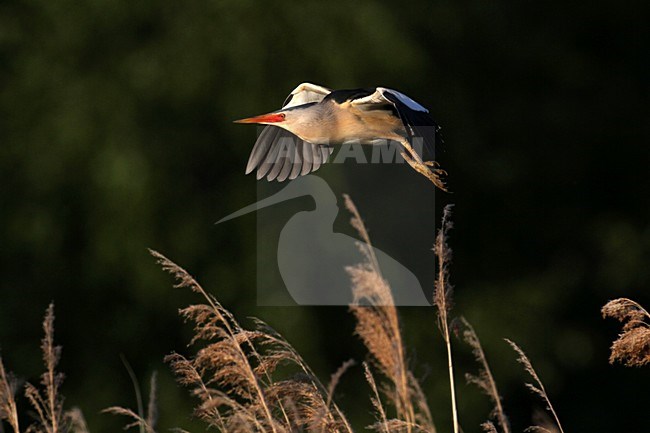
[115,136]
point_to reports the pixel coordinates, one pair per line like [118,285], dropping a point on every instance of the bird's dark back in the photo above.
[340,96]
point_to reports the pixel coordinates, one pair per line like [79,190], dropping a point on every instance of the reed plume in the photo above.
[442,299]
[232,373]
[632,347]
[8,388]
[378,327]
[484,380]
[48,402]
[536,389]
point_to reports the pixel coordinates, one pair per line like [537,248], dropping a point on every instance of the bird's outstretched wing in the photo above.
[280,155]
[416,119]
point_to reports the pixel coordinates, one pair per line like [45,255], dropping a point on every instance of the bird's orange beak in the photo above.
[264,118]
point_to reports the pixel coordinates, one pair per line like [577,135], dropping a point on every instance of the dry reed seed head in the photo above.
[232,373]
[397,426]
[271,361]
[378,338]
[539,389]
[336,377]
[375,399]
[8,388]
[625,310]
[441,247]
[368,287]
[51,353]
[365,247]
[379,329]
[484,379]
[443,292]
[355,221]
[423,414]
[523,359]
[183,368]
[8,385]
[481,381]
[182,277]
[401,389]
[377,322]
[304,401]
[632,348]
[48,404]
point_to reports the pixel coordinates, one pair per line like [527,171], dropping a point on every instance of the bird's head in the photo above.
[302,120]
[288,117]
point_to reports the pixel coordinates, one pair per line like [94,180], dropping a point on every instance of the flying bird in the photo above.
[300,136]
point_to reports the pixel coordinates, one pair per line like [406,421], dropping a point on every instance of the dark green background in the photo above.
[115,136]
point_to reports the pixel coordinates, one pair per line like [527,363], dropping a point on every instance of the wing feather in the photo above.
[296,167]
[316,163]
[272,152]
[280,155]
[307,159]
[326,151]
[289,158]
[276,168]
[261,148]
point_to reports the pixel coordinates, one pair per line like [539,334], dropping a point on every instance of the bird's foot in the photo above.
[428,169]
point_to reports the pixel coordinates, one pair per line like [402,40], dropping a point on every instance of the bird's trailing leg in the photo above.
[428,169]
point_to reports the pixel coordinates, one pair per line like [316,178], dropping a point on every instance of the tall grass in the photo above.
[537,388]
[8,408]
[233,371]
[484,380]
[233,376]
[46,401]
[252,380]
[379,328]
[442,299]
